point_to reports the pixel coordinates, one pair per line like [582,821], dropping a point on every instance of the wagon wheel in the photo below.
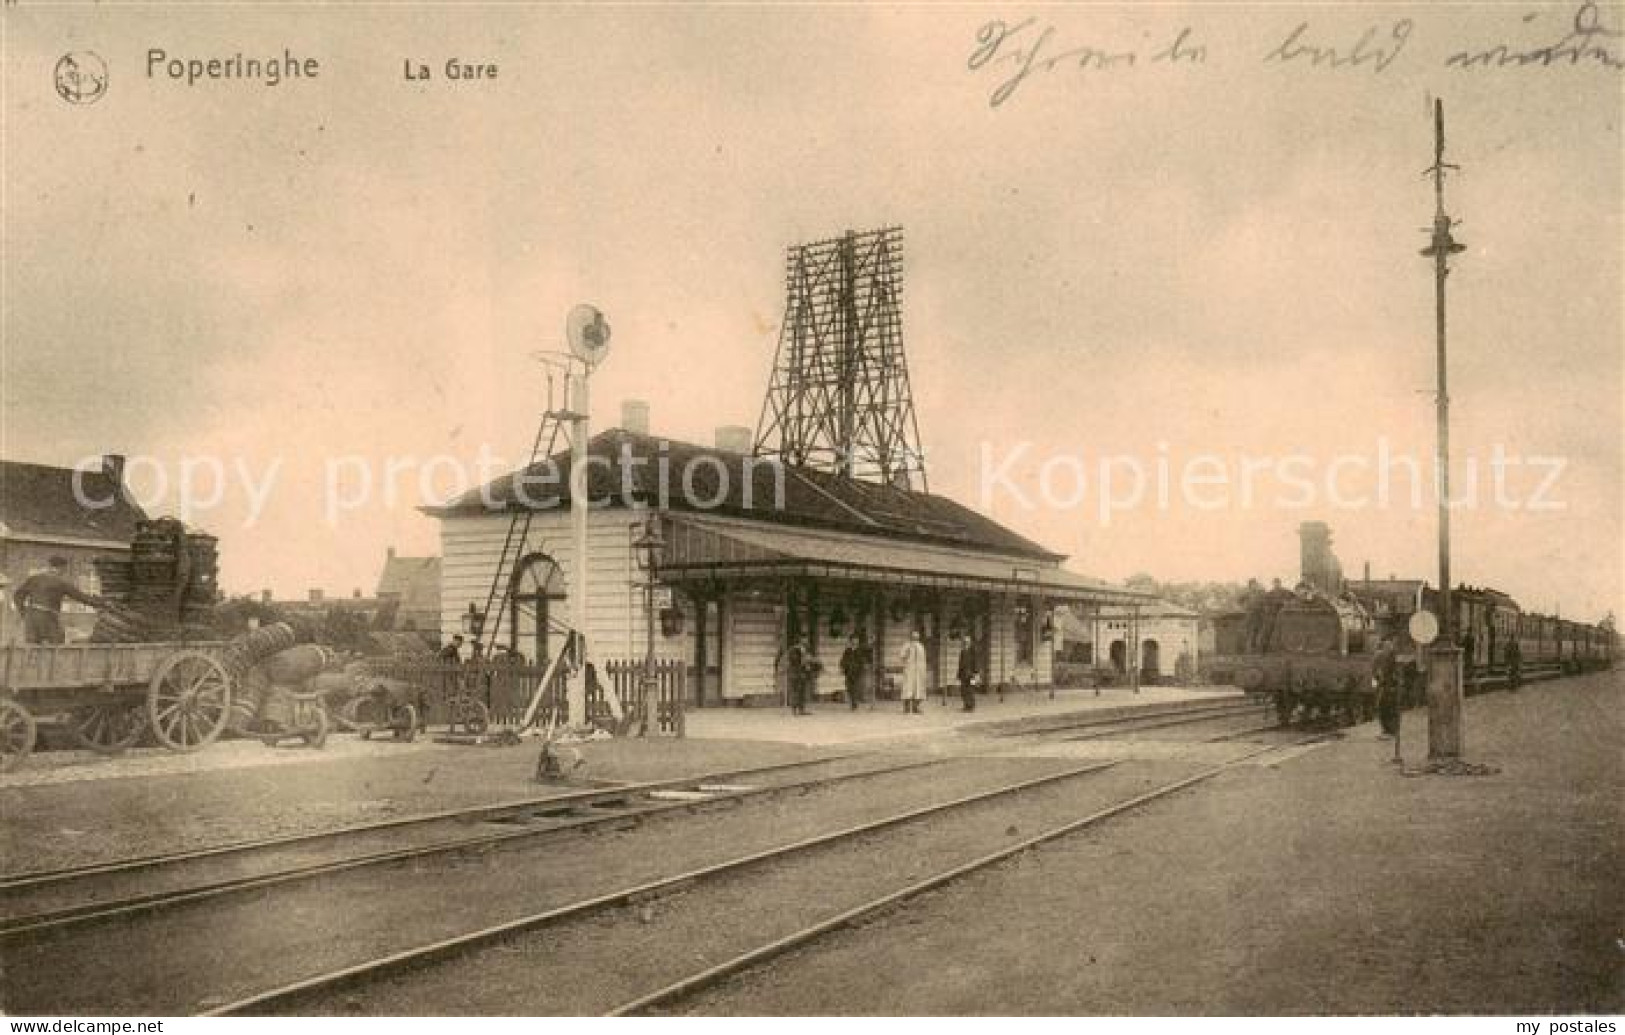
[1284,705]
[107,728]
[316,734]
[189,700]
[363,715]
[17,733]
[472,715]
[406,723]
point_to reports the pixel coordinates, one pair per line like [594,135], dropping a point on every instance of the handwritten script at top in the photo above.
[1011,55]
[1033,51]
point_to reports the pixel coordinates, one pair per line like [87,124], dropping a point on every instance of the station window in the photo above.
[1026,633]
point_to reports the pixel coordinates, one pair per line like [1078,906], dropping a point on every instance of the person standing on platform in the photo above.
[854,665]
[796,664]
[1385,679]
[914,674]
[967,674]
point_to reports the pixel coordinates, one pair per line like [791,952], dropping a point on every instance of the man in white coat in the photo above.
[914,674]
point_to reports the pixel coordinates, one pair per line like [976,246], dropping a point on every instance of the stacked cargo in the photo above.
[165,591]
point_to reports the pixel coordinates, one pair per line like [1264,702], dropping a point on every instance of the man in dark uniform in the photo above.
[1385,678]
[796,661]
[1514,664]
[451,660]
[854,664]
[39,599]
[967,674]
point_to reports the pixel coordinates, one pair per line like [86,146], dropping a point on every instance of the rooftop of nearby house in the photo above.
[61,502]
[626,468]
[413,581]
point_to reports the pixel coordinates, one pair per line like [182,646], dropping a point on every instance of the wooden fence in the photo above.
[507,689]
[658,711]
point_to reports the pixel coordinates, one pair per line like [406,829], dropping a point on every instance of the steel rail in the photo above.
[476,813]
[711,975]
[625,896]
[1182,720]
[1275,728]
[57,919]
[1084,721]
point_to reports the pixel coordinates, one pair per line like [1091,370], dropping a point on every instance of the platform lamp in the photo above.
[650,546]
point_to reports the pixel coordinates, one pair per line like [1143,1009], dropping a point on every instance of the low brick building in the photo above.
[79,515]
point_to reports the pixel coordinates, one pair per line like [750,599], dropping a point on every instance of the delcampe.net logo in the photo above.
[81,77]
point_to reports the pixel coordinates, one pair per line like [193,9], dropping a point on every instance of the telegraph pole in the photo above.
[1445,672]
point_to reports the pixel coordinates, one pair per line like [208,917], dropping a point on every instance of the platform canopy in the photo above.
[701,548]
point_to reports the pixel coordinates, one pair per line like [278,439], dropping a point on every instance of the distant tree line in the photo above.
[1198,596]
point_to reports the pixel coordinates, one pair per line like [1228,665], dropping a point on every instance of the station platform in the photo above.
[831,724]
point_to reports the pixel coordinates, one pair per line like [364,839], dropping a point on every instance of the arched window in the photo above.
[537,582]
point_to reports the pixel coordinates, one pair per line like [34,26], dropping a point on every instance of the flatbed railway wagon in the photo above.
[108,694]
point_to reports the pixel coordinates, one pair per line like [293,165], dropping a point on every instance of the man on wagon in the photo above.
[40,597]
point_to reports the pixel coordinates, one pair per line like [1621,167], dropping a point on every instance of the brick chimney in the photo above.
[113,468]
[733,438]
[635,416]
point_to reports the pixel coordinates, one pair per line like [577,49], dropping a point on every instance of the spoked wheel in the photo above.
[364,715]
[107,728]
[406,723]
[17,734]
[471,715]
[189,700]
[315,733]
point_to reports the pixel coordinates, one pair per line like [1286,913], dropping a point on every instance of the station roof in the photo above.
[625,468]
[706,547]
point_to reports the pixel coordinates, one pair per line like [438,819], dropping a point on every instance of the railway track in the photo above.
[43,900]
[1087,728]
[676,991]
[98,892]
[339,983]
[1177,712]
[1130,727]
[494,811]
[272,999]
[230,946]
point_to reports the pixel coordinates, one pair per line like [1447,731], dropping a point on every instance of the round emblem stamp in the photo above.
[81,77]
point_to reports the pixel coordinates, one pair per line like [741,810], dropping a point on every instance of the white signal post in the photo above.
[581,427]
[587,333]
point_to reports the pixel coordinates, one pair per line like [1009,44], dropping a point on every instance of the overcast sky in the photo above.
[1157,260]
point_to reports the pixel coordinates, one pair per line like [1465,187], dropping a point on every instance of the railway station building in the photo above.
[755,553]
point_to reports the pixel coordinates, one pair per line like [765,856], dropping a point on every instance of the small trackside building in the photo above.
[757,552]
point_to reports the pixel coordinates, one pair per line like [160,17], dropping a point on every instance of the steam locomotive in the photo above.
[1311,654]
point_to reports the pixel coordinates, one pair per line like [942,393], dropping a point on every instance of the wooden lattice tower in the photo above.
[839,397]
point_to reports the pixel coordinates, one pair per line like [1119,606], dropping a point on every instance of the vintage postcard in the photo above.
[881,509]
